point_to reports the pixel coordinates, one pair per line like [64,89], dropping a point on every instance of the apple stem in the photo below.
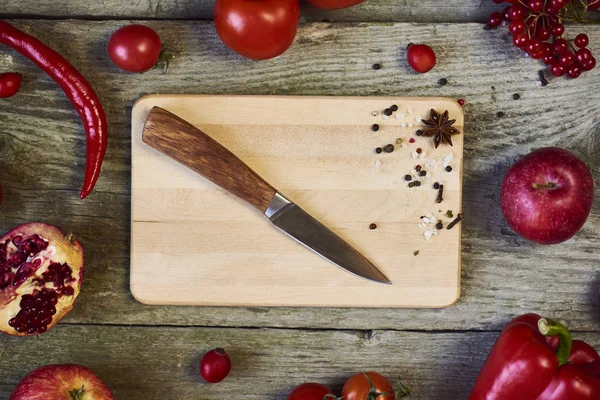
[549,185]
[77,394]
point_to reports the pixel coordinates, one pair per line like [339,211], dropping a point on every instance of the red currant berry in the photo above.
[537,56]
[536,5]
[551,11]
[517,12]
[495,19]
[566,58]
[543,33]
[548,60]
[534,46]
[558,4]
[504,13]
[583,56]
[548,49]
[517,27]
[582,40]
[215,366]
[558,29]
[589,65]
[574,71]
[557,69]
[461,102]
[561,45]
[421,57]
[521,40]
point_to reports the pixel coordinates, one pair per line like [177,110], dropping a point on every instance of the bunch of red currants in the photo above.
[537,29]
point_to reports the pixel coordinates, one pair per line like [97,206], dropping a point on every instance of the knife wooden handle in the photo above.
[188,145]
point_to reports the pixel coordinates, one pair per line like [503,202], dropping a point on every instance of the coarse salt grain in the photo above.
[431,162]
[414,154]
[429,215]
[410,124]
[426,220]
[384,116]
[422,155]
[404,145]
[422,225]
[403,124]
[374,113]
[428,234]
[377,164]
[413,171]
[418,119]
[400,115]
[409,111]
[435,232]
[428,175]
[444,164]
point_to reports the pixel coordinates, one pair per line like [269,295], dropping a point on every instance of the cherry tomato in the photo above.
[135,48]
[310,391]
[421,57]
[10,82]
[215,366]
[334,4]
[257,29]
[358,387]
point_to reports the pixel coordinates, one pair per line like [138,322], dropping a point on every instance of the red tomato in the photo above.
[358,387]
[134,48]
[334,4]
[310,391]
[421,57]
[10,82]
[257,29]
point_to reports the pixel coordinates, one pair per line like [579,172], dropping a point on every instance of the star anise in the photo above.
[440,127]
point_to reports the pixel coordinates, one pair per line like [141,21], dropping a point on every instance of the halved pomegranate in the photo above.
[41,271]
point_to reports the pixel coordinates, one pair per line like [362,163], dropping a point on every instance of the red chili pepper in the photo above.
[77,89]
[536,359]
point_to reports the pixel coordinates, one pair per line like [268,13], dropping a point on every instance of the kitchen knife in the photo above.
[191,147]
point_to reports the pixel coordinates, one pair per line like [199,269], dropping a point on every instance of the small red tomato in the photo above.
[334,4]
[311,391]
[215,366]
[135,48]
[421,57]
[257,29]
[358,387]
[10,82]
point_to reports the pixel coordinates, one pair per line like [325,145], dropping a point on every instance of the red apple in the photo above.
[547,195]
[61,382]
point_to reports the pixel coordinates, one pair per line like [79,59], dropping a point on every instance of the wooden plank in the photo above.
[371,10]
[162,363]
[42,149]
[196,244]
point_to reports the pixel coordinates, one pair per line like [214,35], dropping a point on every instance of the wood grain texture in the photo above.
[196,150]
[158,363]
[42,153]
[194,244]
[370,10]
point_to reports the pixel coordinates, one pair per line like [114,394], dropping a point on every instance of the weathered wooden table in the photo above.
[152,353]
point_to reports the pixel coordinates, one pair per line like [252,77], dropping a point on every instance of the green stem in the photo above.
[548,327]
[548,185]
[77,394]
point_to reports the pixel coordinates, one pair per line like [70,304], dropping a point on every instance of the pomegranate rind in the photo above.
[57,380]
[61,249]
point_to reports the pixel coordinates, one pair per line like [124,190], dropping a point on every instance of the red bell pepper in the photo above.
[536,359]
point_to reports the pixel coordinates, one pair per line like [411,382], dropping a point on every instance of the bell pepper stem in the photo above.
[548,327]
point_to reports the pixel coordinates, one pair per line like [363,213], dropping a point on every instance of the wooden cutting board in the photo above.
[194,244]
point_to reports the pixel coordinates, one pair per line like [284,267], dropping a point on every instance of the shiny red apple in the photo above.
[547,195]
[61,382]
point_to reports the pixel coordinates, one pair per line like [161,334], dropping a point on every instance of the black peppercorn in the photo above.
[376,66]
[407,177]
[499,114]
[449,168]
[389,148]
[419,132]
[436,186]
[417,183]
[394,108]
[378,150]
[411,184]
[419,151]
[439,225]
[373,226]
[387,111]
[443,81]
[423,173]
[375,127]
[516,96]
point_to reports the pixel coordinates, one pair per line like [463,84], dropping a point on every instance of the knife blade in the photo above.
[183,142]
